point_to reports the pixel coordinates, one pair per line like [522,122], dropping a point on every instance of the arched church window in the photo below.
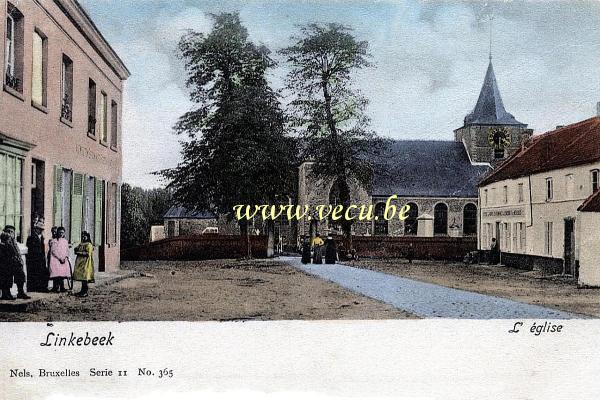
[440,219]
[381,225]
[470,219]
[411,224]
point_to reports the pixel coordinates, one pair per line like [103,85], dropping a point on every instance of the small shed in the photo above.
[179,221]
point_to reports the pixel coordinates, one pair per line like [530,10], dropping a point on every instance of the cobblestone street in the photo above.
[427,300]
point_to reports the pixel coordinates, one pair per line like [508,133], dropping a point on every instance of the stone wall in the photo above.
[476,141]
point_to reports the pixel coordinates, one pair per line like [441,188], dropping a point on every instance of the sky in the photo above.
[430,60]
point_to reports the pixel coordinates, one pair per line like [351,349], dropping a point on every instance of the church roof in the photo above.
[572,145]
[183,213]
[489,109]
[426,168]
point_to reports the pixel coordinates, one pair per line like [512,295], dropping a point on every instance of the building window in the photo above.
[485,197]
[522,237]
[39,71]
[411,223]
[506,236]
[521,196]
[549,189]
[470,219]
[380,223]
[493,196]
[102,114]
[66,109]
[114,126]
[595,183]
[440,219]
[548,239]
[11,191]
[570,186]
[505,194]
[13,52]
[91,108]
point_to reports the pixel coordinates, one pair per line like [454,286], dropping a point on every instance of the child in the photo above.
[84,265]
[59,261]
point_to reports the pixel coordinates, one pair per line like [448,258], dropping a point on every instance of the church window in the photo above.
[440,219]
[381,225]
[411,224]
[470,219]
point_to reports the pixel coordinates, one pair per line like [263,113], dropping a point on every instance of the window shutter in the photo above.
[58,190]
[118,215]
[76,208]
[98,212]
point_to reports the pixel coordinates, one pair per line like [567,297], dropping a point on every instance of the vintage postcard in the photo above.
[281,199]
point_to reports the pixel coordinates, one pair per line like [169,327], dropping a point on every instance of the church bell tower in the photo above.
[490,133]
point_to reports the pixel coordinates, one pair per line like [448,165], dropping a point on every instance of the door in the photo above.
[37,190]
[99,222]
[569,255]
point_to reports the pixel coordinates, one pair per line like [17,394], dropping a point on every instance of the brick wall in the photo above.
[425,248]
[203,247]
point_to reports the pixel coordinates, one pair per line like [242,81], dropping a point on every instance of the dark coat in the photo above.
[330,252]
[11,264]
[37,267]
[306,253]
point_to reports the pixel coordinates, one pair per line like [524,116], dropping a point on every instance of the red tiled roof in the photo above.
[591,204]
[571,145]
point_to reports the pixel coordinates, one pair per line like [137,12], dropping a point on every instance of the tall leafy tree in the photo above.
[327,110]
[236,151]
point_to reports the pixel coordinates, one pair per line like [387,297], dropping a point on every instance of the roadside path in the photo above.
[426,300]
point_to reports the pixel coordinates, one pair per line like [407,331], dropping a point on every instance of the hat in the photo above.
[39,223]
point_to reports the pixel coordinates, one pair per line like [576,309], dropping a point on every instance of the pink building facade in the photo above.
[60,125]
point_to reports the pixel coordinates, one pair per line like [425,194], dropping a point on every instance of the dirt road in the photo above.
[524,286]
[222,290]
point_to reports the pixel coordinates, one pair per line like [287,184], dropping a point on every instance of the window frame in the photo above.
[549,189]
[520,193]
[44,73]
[66,90]
[103,115]
[505,194]
[596,173]
[92,108]
[114,125]
[13,82]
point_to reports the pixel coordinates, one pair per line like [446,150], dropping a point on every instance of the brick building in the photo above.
[60,124]
[438,179]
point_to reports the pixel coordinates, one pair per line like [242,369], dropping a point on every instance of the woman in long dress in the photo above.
[84,265]
[59,261]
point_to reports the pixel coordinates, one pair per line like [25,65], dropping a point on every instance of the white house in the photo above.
[532,202]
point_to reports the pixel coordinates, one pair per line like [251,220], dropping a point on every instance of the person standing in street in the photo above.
[37,267]
[84,264]
[318,249]
[331,254]
[13,266]
[59,261]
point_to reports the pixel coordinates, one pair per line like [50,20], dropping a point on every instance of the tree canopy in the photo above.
[236,150]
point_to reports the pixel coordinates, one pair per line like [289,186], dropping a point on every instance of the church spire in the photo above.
[489,109]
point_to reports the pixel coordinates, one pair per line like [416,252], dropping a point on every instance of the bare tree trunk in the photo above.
[270,238]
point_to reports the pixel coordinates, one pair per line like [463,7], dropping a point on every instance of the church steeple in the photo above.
[489,109]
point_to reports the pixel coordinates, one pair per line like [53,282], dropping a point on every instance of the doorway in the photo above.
[37,189]
[569,254]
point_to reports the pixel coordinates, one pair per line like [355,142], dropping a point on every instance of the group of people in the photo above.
[316,249]
[43,266]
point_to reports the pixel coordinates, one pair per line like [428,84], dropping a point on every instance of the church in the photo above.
[438,179]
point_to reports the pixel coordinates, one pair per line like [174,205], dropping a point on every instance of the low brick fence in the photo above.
[204,247]
[423,248]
